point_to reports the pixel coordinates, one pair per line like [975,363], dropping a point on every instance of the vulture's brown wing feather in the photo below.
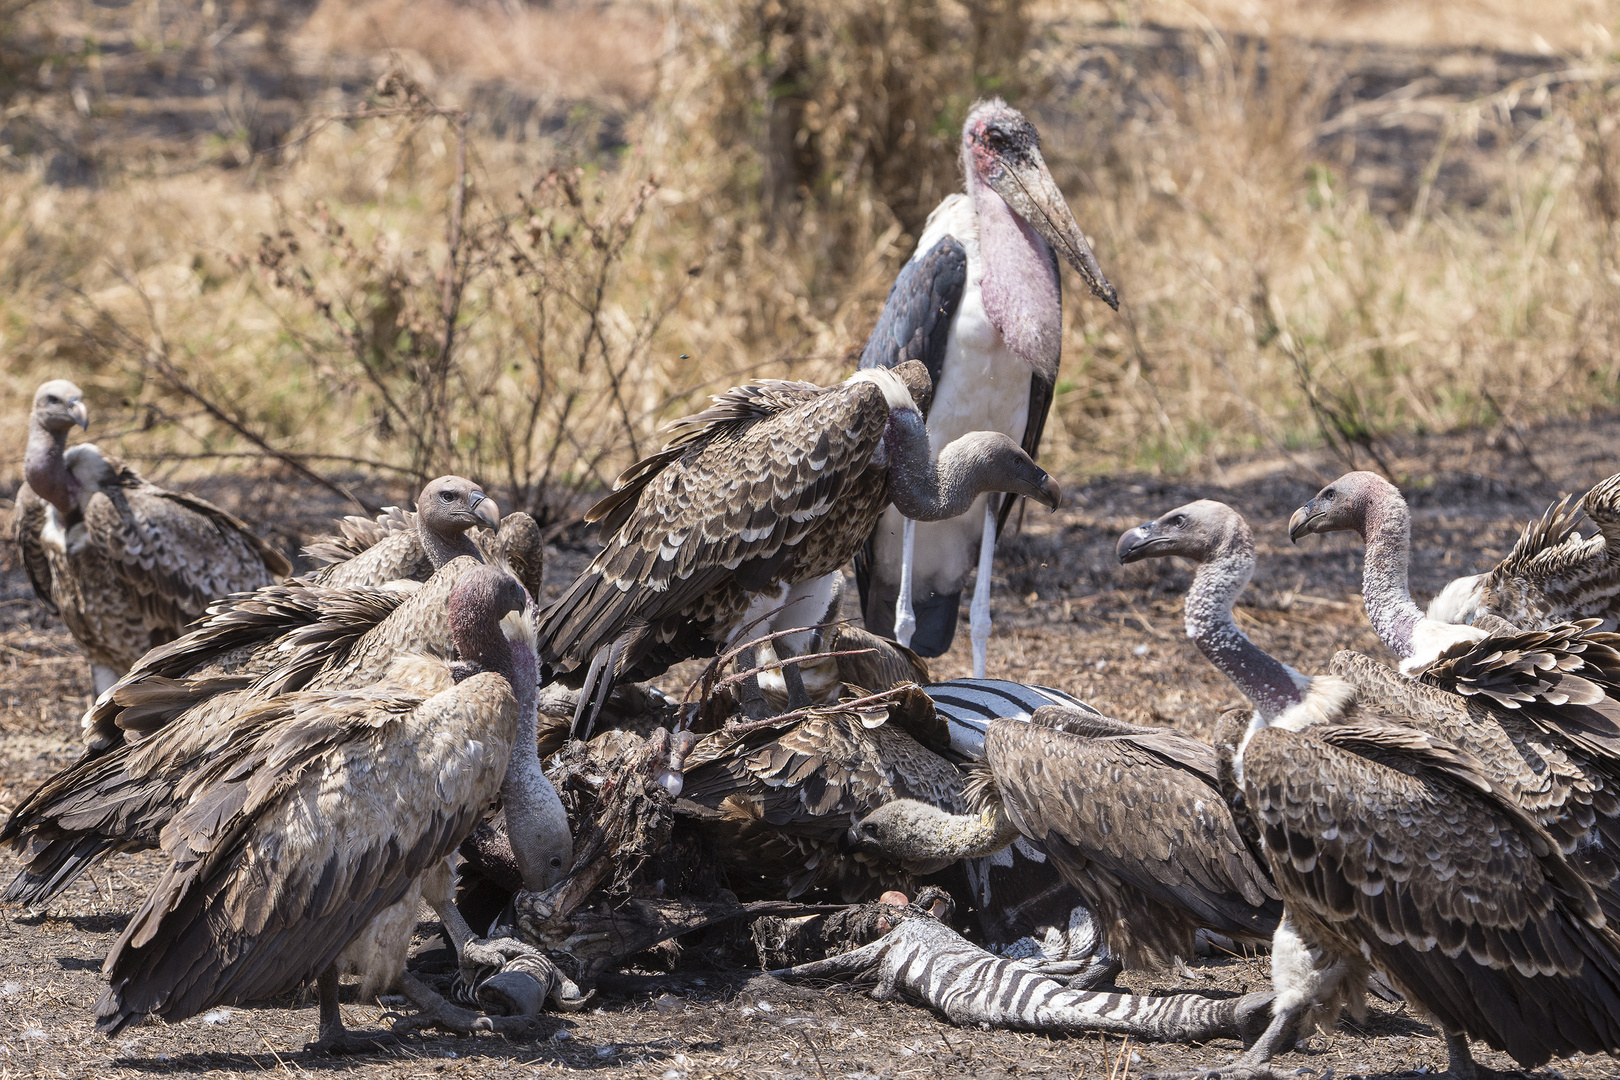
[1130,804]
[782,798]
[27,522]
[737,506]
[417,624]
[240,638]
[176,553]
[1560,677]
[1394,842]
[323,813]
[359,534]
[119,797]
[1571,792]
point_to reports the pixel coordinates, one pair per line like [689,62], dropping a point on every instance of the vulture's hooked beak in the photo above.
[81,416]
[1303,521]
[485,508]
[1051,496]
[1028,187]
[1136,544]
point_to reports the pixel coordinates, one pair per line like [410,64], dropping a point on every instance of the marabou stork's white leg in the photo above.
[905,619]
[979,610]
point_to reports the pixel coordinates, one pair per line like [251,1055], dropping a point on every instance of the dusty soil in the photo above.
[1068,616]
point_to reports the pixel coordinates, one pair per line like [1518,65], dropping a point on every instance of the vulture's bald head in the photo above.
[451,505]
[58,405]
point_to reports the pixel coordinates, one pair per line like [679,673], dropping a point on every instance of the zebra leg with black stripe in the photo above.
[931,963]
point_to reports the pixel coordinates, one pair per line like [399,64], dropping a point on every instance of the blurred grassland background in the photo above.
[364,243]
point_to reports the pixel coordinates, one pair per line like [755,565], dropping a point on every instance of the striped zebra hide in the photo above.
[930,963]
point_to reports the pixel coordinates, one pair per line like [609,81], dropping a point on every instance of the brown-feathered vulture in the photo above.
[737,524]
[249,646]
[981,303]
[302,844]
[123,792]
[1553,574]
[1392,847]
[401,545]
[125,563]
[1131,816]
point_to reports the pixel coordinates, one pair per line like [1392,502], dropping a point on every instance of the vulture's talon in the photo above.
[344,1041]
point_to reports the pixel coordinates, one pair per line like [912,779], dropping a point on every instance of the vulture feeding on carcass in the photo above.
[1394,848]
[300,848]
[125,563]
[981,304]
[738,524]
[1131,817]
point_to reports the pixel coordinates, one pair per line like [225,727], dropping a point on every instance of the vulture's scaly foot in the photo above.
[334,1038]
[495,952]
[433,1011]
[343,1041]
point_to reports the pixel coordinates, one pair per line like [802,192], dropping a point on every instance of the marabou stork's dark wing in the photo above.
[1394,840]
[914,325]
[916,319]
[322,812]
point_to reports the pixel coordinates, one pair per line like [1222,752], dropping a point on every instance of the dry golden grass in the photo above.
[1277,290]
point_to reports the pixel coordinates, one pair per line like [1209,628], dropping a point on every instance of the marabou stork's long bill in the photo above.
[981,304]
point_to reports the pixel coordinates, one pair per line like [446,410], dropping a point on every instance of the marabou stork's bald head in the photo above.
[1002,148]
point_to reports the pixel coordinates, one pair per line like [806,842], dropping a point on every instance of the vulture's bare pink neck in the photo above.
[1384,588]
[1019,283]
[45,468]
[1219,581]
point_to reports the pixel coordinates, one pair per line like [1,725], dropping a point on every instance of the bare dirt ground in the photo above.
[1067,616]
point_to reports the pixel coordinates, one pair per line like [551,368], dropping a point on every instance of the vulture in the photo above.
[122,793]
[981,304]
[1131,817]
[301,846]
[1552,575]
[739,522]
[1393,848]
[777,800]
[125,563]
[399,545]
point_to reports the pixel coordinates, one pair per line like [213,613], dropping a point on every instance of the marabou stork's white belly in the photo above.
[983,387]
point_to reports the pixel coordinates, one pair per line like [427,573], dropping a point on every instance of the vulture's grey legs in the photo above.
[930,962]
[798,696]
[472,951]
[749,696]
[979,611]
[334,1038]
[1460,1060]
[905,616]
[1303,982]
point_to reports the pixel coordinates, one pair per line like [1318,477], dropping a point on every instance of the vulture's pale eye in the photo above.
[448,496]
